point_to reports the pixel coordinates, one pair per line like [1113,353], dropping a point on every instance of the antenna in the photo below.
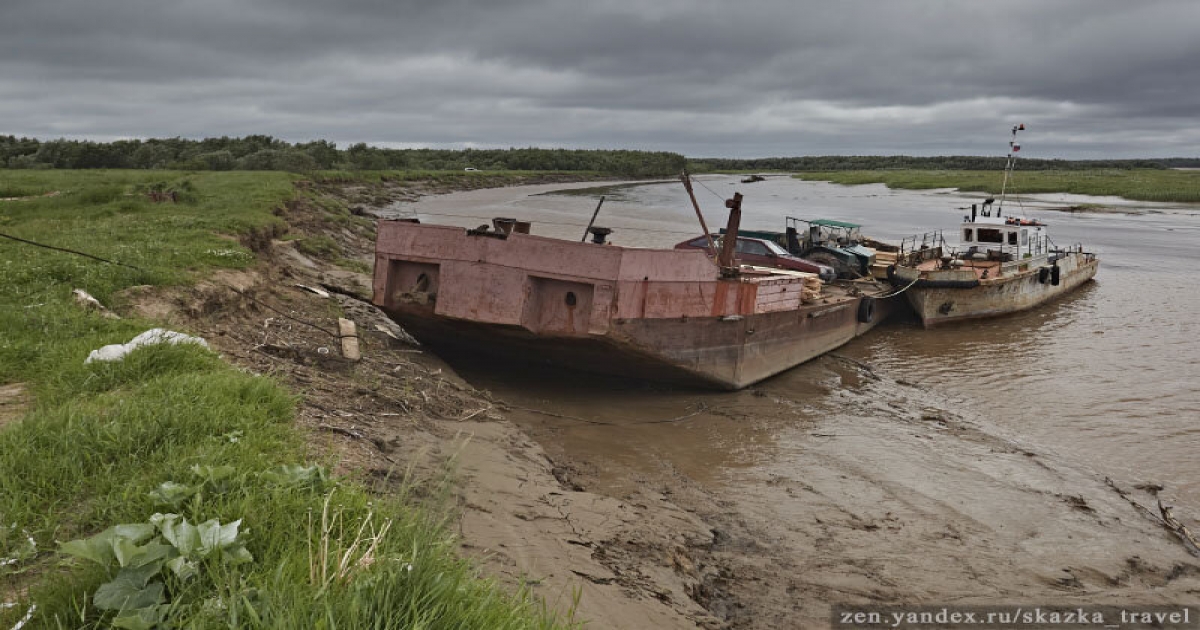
[1013,148]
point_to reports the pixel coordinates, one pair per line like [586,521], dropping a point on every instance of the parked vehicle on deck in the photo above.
[764,253]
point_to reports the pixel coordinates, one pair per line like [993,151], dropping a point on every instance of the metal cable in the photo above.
[69,251]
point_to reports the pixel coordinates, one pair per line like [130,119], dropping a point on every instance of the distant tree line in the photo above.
[260,152]
[951,162]
[268,153]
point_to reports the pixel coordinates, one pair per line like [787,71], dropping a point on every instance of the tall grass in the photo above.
[100,438]
[1137,184]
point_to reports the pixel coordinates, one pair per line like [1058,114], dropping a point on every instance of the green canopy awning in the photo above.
[832,223]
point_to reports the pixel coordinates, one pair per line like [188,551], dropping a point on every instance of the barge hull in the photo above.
[711,352]
[656,314]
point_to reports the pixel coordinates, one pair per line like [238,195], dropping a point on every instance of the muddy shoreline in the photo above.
[890,497]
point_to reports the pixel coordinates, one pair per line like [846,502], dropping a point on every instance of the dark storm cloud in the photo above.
[1091,78]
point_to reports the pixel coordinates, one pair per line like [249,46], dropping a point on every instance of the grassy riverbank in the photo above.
[1136,184]
[270,540]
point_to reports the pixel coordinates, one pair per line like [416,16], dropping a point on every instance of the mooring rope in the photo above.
[910,284]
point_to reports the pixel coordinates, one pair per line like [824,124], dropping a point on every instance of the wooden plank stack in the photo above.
[812,289]
[883,260]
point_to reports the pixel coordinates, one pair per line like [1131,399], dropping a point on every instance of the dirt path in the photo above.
[887,499]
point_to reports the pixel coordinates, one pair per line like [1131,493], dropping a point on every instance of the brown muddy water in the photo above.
[1107,378]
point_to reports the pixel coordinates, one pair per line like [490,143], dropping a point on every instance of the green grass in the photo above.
[1136,184]
[101,437]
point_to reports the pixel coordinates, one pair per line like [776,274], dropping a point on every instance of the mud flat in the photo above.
[642,507]
[870,492]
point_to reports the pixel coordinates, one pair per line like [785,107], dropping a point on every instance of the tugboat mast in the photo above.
[1013,148]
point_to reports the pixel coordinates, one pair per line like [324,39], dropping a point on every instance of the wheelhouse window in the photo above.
[968,234]
[990,235]
[1012,238]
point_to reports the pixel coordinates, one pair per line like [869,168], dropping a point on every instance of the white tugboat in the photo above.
[1003,264]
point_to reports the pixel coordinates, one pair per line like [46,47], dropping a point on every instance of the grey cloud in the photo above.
[1095,78]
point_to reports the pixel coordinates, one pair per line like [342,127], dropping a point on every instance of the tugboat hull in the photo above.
[940,297]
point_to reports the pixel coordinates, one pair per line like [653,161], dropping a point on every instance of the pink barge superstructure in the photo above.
[662,314]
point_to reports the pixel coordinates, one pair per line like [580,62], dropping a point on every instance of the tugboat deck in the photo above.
[983,269]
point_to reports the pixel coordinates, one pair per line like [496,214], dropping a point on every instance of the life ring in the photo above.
[866,309]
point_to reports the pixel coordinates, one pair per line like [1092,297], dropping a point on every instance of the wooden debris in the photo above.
[474,413]
[321,292]
[1164,518]
[1180,529]
[387,332]
[349,336]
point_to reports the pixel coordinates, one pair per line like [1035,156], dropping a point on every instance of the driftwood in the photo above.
[314,290]
[474,413]
[342,431]
[1164,518]
[1180,529]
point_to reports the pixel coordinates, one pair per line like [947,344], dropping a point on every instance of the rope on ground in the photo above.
[69,251]
[291,317]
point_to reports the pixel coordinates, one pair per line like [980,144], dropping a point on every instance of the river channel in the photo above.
[1107,378]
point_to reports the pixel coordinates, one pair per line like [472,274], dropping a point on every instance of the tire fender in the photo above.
[866,309]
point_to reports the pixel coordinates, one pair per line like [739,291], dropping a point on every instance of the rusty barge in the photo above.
[660,314]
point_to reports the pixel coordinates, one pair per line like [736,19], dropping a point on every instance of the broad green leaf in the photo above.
[237,554]
[130,555]
[214,475]
[130,589]
[297,475]
[173,494]
[183,568]
[137,532]
[178,532]
[140,619]
[101,547]
[89,549]
[124,549]
[214,536]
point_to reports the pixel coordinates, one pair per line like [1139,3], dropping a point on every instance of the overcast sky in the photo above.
[1088,78]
